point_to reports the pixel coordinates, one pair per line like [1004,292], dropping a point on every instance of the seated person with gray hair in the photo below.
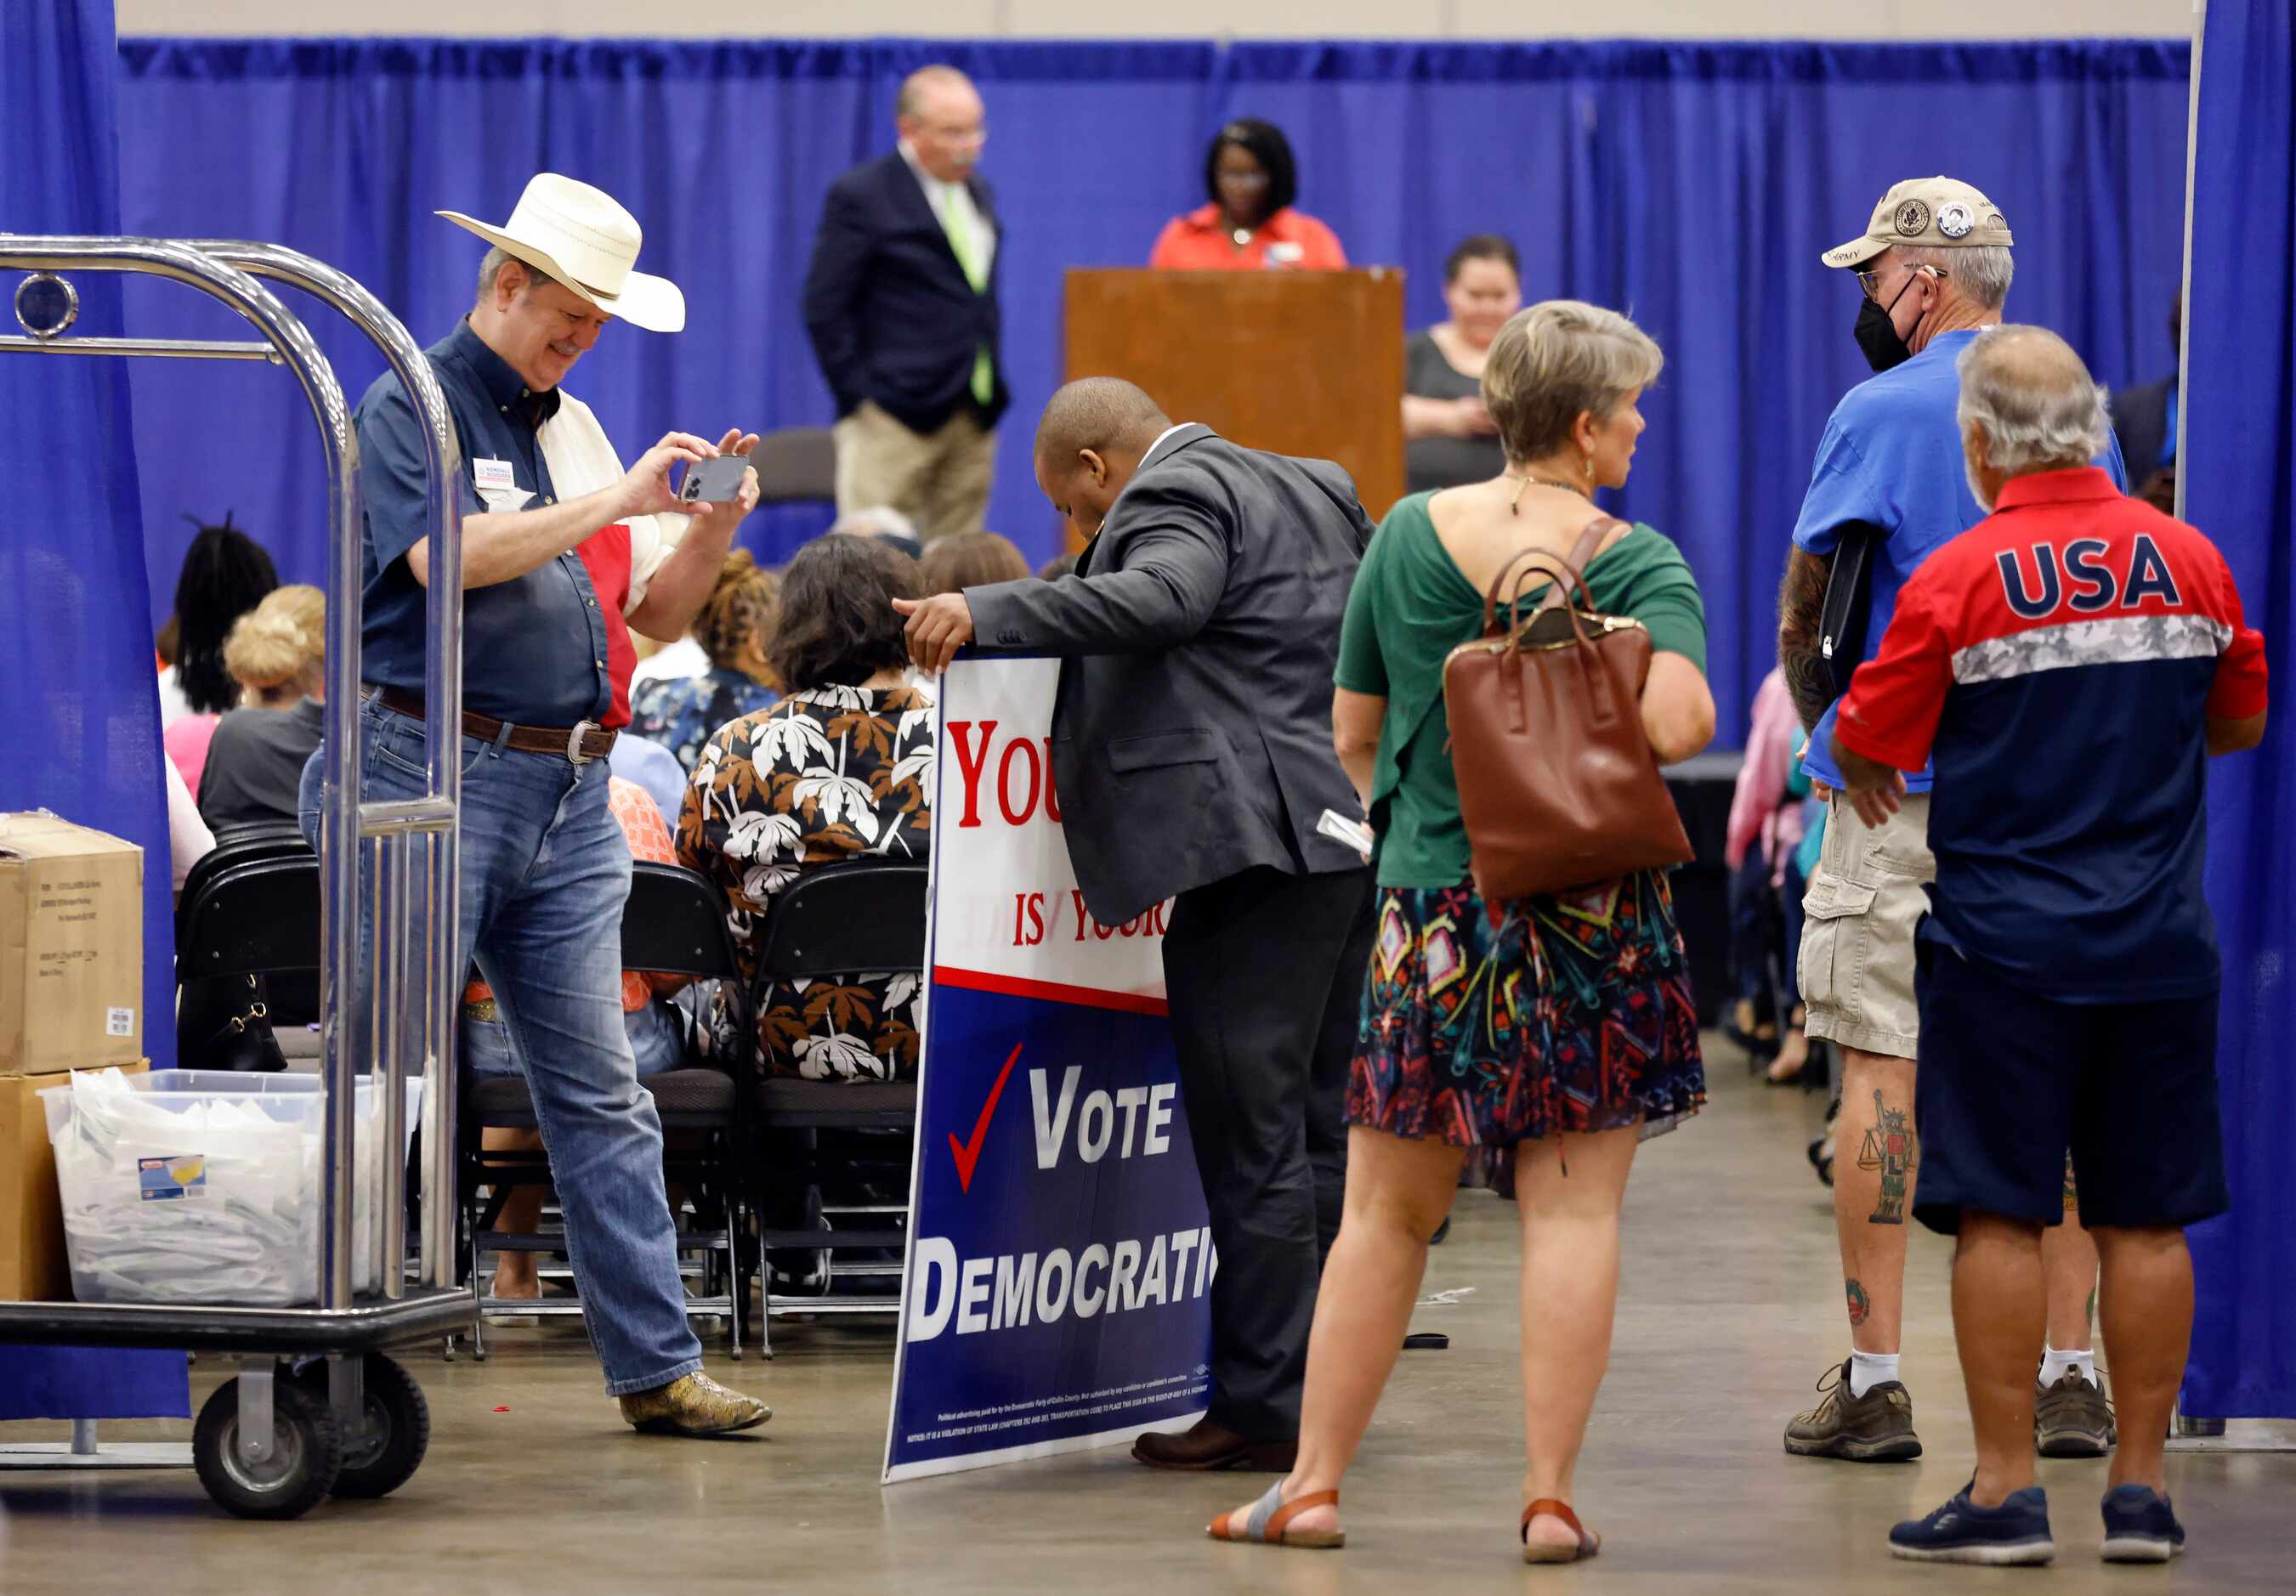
[2069,665]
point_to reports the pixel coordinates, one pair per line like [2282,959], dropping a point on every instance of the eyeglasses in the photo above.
[1870,282]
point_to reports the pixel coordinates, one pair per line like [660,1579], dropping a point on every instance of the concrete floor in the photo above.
[1729,1313]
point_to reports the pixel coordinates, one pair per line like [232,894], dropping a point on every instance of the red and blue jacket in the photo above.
[2059,662]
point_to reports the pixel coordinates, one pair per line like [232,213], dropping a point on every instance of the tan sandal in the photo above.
[1546,1506]
[1268,1522]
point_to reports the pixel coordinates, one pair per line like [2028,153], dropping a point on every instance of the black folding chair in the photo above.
[247,931]
[858,919]
[673,924]
[244,845]
[796,465]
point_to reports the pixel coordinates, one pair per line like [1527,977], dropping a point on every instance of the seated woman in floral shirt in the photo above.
[680,712]
[839,769]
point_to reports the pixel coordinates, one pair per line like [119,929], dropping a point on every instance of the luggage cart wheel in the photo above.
[292,1474]
[394,1429]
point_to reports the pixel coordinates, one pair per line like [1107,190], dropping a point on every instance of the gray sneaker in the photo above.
[2072,1419]
[1877,1427]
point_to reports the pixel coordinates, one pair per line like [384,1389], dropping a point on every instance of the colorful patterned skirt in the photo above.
[1571,1012]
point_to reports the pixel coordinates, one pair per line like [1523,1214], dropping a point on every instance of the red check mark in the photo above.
[968,1153]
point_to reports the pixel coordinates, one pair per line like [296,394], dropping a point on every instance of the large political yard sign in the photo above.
[1059,1261]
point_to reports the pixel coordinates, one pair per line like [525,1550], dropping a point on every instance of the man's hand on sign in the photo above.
[938,627]
[725,517]
[647,489]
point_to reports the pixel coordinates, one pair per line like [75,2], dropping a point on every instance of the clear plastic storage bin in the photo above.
[200,1188]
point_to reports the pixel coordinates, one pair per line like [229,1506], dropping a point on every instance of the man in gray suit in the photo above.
[1191,749]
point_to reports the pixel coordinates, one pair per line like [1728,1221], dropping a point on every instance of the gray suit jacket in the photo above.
[1191,736]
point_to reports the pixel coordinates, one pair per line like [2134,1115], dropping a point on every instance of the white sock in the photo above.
[1869,1369]
[2054,1364]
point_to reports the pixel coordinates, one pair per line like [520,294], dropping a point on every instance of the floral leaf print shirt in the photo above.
[826,776]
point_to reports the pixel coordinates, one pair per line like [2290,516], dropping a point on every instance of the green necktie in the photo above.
[958,226]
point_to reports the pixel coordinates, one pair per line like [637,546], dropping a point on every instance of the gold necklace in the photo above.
[1515,505]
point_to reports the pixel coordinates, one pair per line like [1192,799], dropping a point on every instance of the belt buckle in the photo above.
[574,741]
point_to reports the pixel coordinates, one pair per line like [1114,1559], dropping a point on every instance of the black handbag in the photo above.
[244,1040]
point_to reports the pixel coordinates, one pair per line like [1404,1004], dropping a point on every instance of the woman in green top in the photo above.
[1551,1027]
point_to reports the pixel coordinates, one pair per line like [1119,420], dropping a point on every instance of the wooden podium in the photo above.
[1298,363]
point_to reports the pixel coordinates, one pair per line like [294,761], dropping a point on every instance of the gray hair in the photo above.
[1982,272]
[1555,361]
[2033,400]
[491,269]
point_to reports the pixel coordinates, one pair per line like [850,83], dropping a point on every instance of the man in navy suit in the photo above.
[900,301]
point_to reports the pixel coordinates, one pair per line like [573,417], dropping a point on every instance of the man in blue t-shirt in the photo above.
[2072,661]
[1935,266]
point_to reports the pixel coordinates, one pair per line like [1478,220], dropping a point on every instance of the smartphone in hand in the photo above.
[713,481]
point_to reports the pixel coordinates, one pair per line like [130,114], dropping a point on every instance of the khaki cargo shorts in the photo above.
[1864,901]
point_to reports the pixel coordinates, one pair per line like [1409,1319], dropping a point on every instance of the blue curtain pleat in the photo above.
[2240,484]
[82,734]
[1694,185]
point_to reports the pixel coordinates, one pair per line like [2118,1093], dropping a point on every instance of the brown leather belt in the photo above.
[581,744]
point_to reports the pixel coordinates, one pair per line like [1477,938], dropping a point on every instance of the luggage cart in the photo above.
[316,1408]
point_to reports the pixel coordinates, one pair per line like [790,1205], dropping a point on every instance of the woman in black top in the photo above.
[1449,438]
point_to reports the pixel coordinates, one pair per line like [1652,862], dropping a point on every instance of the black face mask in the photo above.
[1877,334]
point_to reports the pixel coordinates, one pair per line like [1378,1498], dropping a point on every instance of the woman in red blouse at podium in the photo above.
[1249,226]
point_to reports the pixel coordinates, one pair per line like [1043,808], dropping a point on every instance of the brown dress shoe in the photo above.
[1206,1446]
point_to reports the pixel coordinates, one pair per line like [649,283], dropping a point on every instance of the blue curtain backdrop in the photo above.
[82,736]
[1694,185]
[2240,484]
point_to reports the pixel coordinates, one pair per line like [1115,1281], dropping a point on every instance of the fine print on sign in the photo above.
[1060,1260]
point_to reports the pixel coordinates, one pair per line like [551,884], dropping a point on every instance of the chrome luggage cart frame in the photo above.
[316,1408]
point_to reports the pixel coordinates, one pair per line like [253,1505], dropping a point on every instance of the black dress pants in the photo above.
[1264,973]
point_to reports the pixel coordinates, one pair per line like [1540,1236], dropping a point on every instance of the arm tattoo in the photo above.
[1801,599]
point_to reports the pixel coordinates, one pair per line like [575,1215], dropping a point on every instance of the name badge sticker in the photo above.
[492,475]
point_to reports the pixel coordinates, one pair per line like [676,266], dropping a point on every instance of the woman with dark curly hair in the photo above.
[836,771]
[737,617]
[1250,223]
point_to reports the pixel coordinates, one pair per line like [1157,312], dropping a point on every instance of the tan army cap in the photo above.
[1932,213]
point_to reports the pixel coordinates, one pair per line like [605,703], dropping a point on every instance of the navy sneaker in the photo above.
[2140,1526]
[1962,1532]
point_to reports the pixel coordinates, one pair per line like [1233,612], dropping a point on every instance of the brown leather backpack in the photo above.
[1557,784]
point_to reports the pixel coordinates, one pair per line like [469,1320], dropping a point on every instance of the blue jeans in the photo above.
[545,875]
[655,1045]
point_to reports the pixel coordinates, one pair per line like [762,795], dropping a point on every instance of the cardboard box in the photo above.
[33,1266]
[71,947]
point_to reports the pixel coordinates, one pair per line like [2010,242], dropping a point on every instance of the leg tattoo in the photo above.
[1860,1305]
[1889,1147]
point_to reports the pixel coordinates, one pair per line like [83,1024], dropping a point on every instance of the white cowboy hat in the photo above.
[584,239]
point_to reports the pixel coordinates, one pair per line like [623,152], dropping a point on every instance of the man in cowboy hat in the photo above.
[1934,264]
[564,554]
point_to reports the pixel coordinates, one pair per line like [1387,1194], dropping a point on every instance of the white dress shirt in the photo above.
[941,195]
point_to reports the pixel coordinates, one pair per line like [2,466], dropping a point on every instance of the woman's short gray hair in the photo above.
[2033,399]
[1556,360]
